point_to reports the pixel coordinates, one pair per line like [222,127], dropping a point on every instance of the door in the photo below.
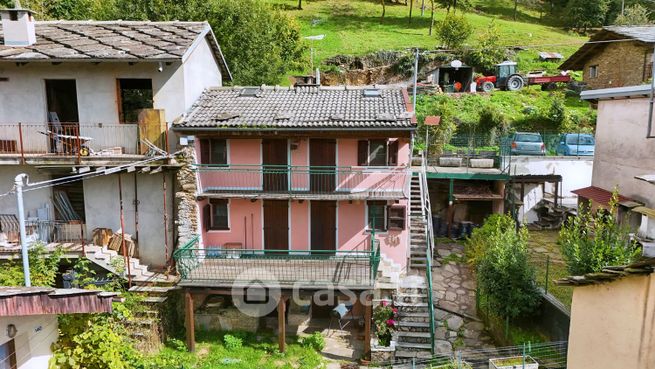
[323,225]
[322,165]
[63,118]
[276,225]
[274,160]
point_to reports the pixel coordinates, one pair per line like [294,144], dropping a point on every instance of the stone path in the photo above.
[453,283]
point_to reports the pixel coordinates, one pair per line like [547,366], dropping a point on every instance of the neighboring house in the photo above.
[615,56]
[295,189]
[623,153]
[28,321]
[613,318]
[82,97]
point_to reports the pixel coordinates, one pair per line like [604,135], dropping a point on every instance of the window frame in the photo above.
[593,71]
[206,152]
[391,147]
[212,203]
[385,213]
[392,217]
[120,97]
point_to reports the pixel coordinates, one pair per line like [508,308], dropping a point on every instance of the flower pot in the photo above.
[514,362]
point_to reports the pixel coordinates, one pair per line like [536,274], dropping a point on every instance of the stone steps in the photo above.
[138,272]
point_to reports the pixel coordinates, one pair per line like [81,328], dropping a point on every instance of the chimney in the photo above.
[18,26]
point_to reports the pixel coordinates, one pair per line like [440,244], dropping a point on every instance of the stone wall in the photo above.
[619,64]
[185,197]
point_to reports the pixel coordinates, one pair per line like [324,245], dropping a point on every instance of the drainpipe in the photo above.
[652,98]
[20,181]
[415,79]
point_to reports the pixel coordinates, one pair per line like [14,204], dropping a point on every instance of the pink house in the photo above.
[300,186]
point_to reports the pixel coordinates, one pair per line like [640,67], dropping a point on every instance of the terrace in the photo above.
[303,182]
[79,143]
[472,155]
[316,269]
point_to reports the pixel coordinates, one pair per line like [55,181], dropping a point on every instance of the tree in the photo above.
[504,275]
[260,43]
[591,241]
[384,10]
[453,31]
[633,15]
[585,14]
[488,50]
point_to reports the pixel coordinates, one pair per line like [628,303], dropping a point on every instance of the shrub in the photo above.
[591,241]
[314,340]
[453,31]
[488,50]
[504,276]
[478,244]
[232,343]
[43,268]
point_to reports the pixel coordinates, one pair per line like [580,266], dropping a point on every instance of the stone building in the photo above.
[616,56]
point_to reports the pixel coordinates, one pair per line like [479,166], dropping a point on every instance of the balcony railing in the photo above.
[353,182]
[211,266]
[28,140]
[473,151]
[44,231]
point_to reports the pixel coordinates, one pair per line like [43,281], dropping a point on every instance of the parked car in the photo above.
[576,144]
[528,143]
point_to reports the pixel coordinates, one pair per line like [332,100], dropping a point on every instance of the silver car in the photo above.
[528,143]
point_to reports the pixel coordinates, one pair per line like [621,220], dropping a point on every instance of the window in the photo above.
[213,151]
[376,213]
[396,217]
[216,215]
[593,71]
[8,355]
[133,95]
[377,152]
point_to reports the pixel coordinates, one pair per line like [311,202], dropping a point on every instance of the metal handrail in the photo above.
[426,211]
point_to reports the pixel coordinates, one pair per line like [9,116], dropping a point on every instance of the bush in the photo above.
[314,341]
[384,318]
[453,31]
[43,268]
[478,244]
[232,343]
[591,241]
[488,50]
[504,276]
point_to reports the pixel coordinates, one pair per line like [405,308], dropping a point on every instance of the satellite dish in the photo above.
[456,64]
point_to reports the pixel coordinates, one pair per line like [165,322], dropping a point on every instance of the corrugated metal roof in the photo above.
[18,301]
[616,93]
[545,55]
[267,107]
[94,41]
[602,196]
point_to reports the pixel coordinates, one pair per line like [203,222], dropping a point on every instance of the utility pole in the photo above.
[20,181]
[415,79]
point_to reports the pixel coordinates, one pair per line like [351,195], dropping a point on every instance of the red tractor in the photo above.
[507,78]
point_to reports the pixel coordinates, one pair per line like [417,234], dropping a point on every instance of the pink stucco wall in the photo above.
[245,225]
[299,225]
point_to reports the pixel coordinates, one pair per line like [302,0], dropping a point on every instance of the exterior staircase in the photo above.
[102,256]
[413,299]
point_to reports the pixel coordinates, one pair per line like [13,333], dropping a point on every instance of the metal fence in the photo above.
[226,266]
[473,151]
[368,182]
[46,231]
[549,355]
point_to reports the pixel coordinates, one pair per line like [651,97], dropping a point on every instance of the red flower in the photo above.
[395,310]
[391,322]
[385,303]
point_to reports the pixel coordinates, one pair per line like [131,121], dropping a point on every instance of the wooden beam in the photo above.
[281,307]
[368,316]
[189,322]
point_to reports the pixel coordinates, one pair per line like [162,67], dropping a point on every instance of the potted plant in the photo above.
[384,319]
[514,362]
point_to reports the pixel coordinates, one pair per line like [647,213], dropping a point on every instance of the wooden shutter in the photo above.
[392,152]
[207,217]
[205,152]
[362,153]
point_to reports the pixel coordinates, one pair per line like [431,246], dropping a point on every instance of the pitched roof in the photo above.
[643,34]
[626,92]
[93,41]
[15,301]
[267,107]
[602,196]
[610,273]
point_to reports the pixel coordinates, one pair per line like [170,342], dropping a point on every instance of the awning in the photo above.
[603,197]
[645,211]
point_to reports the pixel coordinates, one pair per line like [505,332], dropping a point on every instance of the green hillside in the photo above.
[354,27]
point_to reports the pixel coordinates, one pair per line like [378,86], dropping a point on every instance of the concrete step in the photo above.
[414,325]
[414,334]
[151,290]
[154,300]
[413,346]
[407,354]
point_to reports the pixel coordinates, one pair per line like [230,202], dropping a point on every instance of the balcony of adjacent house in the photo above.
[471,154]
[81,143]
[69,236]
[303,182]
[229,267]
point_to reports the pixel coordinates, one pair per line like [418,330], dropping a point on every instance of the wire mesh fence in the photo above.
[549,355]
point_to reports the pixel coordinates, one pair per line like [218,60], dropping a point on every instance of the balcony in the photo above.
[472,154]
[37,143]
[303,182]
[219,267]
[51,233]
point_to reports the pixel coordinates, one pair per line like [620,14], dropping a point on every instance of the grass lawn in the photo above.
[258,351]
[543,244]
[354,27]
